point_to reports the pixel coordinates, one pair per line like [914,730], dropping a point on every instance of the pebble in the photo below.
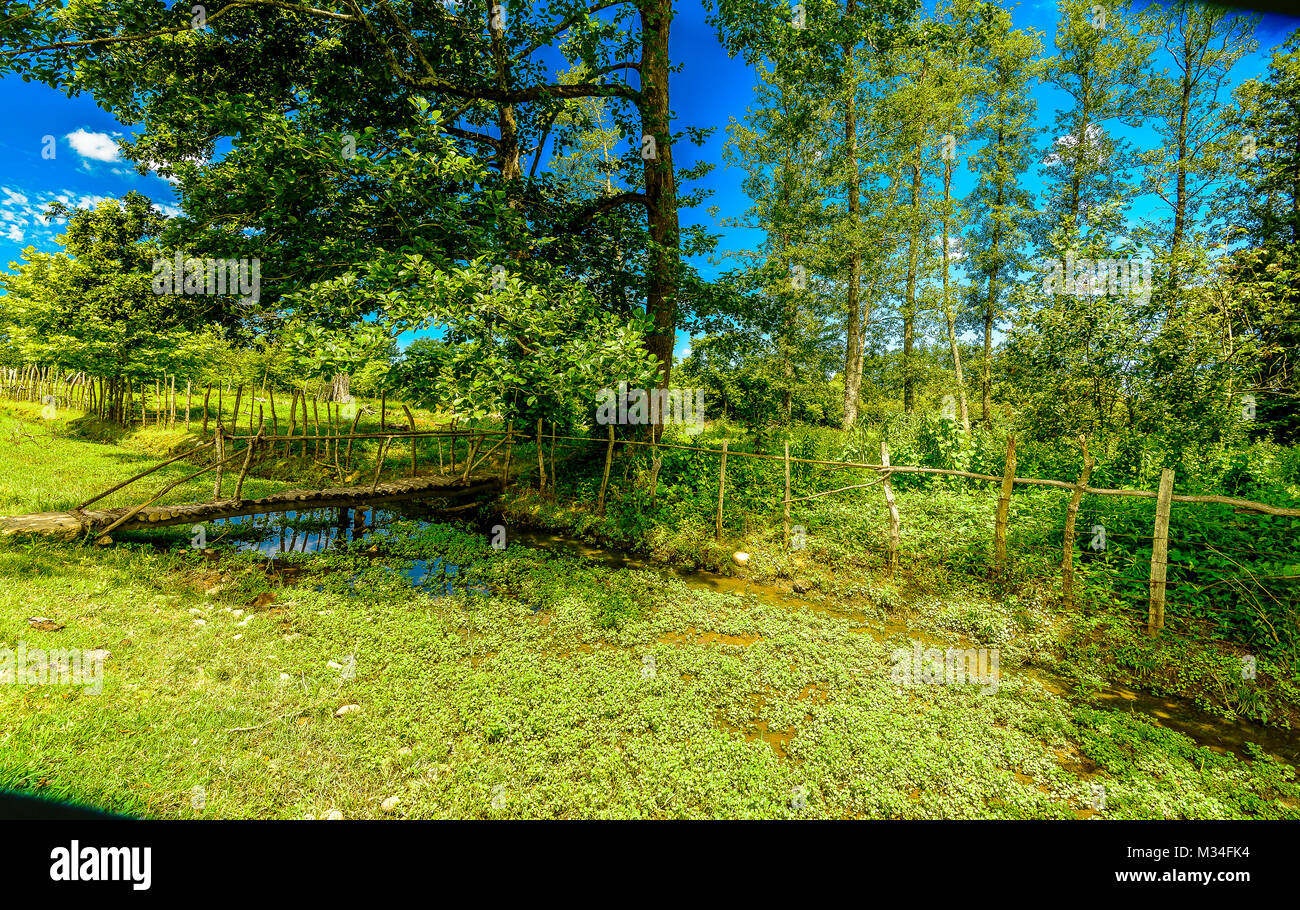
[390,804]
[740,559]
[348,709]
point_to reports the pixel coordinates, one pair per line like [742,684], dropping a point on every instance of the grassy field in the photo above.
[545,685]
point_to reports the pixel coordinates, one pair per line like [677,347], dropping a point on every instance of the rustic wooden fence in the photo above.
[331,444]
[1163,495]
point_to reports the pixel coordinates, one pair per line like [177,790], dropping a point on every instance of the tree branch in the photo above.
[604,205]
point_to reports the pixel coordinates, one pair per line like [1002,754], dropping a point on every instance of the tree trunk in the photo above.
[947,306]
[853,332]
[909,304]
[660,186]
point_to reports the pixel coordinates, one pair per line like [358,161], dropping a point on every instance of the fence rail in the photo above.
[1164,495]
[94,395]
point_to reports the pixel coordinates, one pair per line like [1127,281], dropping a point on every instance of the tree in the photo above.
[94,307]
[337,78]
[999,206]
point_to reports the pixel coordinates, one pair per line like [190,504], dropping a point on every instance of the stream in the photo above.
[322,529]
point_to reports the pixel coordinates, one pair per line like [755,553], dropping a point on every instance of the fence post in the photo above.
[510,451]
[604,480]
[722,489]
[786,524]
[656,463]
[411,421]
[379,463]
[554,486]
[1004,509]
[189,400]
[352,432]
[315,416]
[1067,564]
[293,422]
[1160,553]
[221,456]
[895,523]
[541,469]
[248,459]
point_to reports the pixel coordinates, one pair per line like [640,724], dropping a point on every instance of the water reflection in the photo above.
[306,531]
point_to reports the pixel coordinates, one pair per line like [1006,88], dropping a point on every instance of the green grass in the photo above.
[525,703]
[567,689]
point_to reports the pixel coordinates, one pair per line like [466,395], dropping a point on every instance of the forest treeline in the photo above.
[938,245]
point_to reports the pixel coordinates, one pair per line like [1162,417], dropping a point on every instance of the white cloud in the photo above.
[23,219]
[96,146]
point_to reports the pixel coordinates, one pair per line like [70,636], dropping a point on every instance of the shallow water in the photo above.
[323,529]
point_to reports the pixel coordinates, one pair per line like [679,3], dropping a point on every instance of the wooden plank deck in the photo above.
[68,525]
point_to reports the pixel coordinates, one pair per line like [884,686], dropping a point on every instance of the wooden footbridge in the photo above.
[469,481]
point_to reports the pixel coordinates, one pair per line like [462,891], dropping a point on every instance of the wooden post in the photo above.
[189,401]
[604,480]
[1004,509]
[1067,562]
[379,463]
[510,449]
[347,458]
[471,452]
[411,421]
[383,410]
[722,490]
[554,486]
[219,402]
[336,430]
[895,523]
[171,417]
[541,469]
[786,523]
[293,421]
[157,404]
[656,463]
[234,418]
[221,457]
[275,420]
[207,396]
[1160,553]
[315,417]
[248,459]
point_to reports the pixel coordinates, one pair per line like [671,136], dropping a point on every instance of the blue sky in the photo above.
[711,91]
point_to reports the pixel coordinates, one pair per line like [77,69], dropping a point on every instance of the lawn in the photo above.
[531,683]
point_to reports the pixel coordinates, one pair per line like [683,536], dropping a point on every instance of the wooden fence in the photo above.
[327,449]
[1164,496]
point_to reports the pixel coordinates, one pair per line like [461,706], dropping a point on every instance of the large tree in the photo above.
[357,134]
